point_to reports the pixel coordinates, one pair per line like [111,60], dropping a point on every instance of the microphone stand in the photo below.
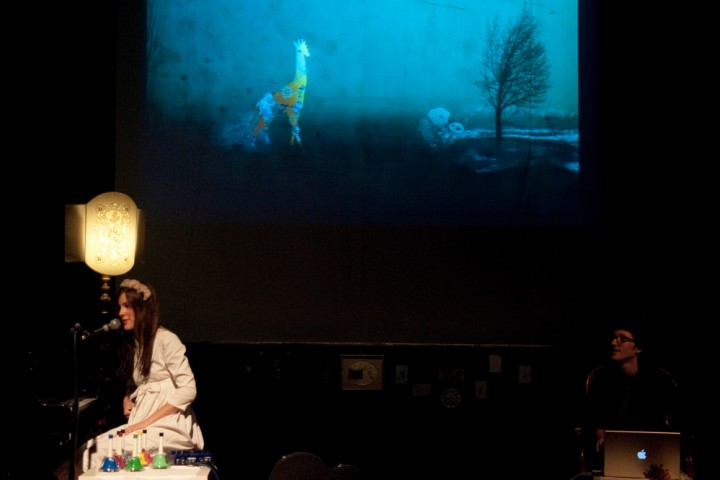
[75,407]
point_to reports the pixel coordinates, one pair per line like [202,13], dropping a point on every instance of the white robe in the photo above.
[171,380]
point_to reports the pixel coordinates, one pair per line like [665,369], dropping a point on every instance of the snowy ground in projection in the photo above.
[377,170]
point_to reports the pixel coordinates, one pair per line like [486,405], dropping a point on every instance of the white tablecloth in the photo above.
[173,472]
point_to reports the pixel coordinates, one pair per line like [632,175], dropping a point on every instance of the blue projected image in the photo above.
[373,112]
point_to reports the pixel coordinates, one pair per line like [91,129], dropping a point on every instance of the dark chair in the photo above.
[306,466]
[582,462]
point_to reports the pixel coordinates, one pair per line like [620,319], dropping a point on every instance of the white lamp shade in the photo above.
[111,233]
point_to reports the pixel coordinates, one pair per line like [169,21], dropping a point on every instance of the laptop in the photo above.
[628,454]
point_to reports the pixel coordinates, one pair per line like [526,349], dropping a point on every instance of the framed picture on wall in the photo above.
[361,372]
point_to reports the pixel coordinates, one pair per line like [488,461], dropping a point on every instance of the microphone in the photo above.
[113,324]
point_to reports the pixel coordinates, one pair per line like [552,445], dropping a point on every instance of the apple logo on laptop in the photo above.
[642,454]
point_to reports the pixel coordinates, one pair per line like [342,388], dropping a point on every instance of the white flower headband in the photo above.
[141,288]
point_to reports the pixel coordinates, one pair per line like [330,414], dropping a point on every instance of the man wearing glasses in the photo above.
[627,394]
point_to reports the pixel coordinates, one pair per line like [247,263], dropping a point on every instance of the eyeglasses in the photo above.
[620,338]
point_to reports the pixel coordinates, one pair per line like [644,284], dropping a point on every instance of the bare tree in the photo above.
[515,70]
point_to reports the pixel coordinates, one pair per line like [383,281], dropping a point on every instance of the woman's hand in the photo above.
[128,405]
[146,422]
[136,427]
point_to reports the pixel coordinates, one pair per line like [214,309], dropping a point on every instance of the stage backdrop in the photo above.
[391,213]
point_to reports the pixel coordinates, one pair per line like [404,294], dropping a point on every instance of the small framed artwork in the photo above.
[361,372]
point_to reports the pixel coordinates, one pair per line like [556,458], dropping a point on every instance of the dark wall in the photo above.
[641,258]
[377,284]
[647,243]
[637,261]
[289,397]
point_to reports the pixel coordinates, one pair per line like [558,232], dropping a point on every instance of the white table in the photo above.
[173,472]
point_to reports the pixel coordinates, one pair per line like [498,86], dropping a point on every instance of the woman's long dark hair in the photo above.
[139,341]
